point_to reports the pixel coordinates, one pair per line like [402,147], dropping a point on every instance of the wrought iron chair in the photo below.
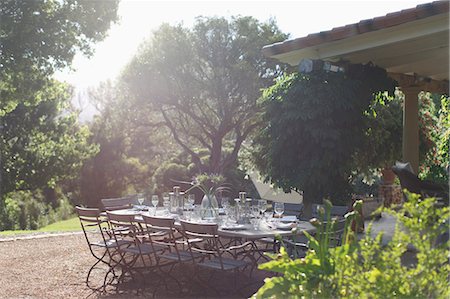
[298,246]
[272,244]
[137,256]
[112,204]
[203,239]
[163,234]
[101,244]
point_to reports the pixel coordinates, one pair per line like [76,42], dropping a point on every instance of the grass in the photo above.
[69,225]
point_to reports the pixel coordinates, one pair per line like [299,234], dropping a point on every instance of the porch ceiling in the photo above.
[413,42]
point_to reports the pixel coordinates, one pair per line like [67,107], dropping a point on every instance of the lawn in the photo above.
[72,224]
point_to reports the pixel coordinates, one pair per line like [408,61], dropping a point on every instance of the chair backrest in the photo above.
[336,233]
[201,237]
[161,231]
[89,218]
[339,211]
[293,209]
[112,204]
[91,224]
[120,219]
[200,229]
[123,226]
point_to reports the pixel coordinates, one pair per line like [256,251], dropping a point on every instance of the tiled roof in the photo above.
[392,19]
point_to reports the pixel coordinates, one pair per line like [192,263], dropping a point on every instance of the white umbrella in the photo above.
[269,192]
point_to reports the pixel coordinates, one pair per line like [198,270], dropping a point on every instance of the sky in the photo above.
[139,18]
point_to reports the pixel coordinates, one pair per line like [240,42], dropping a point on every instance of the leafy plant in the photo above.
[367,268]
[313,125]
[434,133]
[209,184]
[382,145]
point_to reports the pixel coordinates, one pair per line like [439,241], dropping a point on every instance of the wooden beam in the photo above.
[422,83]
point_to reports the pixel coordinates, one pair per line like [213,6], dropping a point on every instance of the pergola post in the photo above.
[411,127]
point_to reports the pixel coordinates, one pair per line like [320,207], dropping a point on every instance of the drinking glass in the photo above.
[225,203]
[191,201]
[231,215]
[262,206]
[255,217]
[140,199]
[279,209]
[166,202]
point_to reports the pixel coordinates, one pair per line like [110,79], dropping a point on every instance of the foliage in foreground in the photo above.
[368,269]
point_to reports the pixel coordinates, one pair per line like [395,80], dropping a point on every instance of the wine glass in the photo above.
[155,200]
[255,217]
[166,202]
[191,201]
[140,199]
[279,209]
[225,203]
[262,206]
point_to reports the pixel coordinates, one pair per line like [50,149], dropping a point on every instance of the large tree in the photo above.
[40,36]
[203,83]
[314,124]
[40,145]
[41,142]
[128,154]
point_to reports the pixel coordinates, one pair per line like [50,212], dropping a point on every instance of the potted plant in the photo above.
[210,185]
[383,143]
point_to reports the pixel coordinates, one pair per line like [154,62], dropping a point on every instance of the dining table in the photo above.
[267,228]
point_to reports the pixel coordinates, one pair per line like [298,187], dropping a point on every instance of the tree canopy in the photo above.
[202,84]
[313,125]
[42,145]
[37,37]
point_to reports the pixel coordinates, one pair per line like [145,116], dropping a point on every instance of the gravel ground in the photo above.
[50,267]
[56,267]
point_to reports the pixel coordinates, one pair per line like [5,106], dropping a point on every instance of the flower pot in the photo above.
[209,208]
[388,176]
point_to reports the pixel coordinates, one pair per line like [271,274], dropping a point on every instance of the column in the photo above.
[411,127]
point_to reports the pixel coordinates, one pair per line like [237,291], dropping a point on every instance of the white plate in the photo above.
[288,219]
[127,212]
[233,227]
[284,226]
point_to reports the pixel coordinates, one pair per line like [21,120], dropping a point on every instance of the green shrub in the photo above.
[30,210]
[366,268]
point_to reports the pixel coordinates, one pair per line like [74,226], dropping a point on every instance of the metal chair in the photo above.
[137,256]
[101,244]
[298,246]
[163,234]
[203,239]
[120,203]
